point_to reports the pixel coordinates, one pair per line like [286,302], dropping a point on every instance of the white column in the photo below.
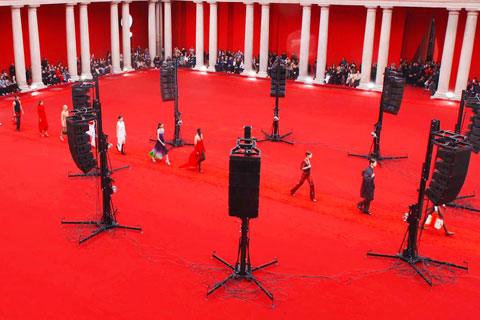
[85,41]
[304,42]
[168,28]
[368,48]
[248,38]
[71,41]
[466,53]
[447,54]
[212,37]
[127,51]
[264,31]
[383,46]
[322,45]
[199,52]
[34,48]
[152,34]
[115,37]
[159,28]
[18,49]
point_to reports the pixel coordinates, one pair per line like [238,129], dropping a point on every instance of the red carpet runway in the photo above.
[323,271]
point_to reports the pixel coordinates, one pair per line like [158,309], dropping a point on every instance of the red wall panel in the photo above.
[52,33]
[6,39]
[183,24]
[139,30]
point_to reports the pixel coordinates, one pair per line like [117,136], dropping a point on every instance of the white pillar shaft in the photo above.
[85,41]
[382,60]
[447,54]
[466,53]
[322,46]
[199,51]
[152,35]
[71,42]
[168,29]
[18,49]
[127,51]
[368,48]
[115,37]
[248,38]
[264,32]
[34,47]
[159,28]
[304,43]
[212,37]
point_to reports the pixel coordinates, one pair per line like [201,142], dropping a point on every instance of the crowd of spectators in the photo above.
[474,86]
[345,74]
[423,74]
[52,74]
[230,61]
[8,83]
[186,58]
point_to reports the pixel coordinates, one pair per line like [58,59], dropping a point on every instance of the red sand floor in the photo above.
[164,272]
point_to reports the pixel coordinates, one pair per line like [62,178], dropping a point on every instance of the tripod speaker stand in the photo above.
[169,90]
[391,100]
[279,78]
[410,253]
[472,103]
[243,200]
[108,221]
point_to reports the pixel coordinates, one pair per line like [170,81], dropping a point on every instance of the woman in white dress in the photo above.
[121,134]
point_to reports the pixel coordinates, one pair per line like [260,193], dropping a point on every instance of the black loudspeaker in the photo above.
[79,142]
[278,74]
[392,94]
[167,81]
[473,134]
[451,167]
[80,96]
[244,186]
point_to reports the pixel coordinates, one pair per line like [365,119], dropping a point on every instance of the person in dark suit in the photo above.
[17,111]
[306,175]
[367,190]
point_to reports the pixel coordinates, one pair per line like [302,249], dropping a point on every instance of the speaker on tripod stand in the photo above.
[243,201]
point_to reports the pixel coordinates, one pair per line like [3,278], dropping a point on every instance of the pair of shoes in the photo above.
[168,162]
[359,206]
[292,193]
[123,153]
[449,233]
[61,138]
[153,159]
[314,200]
[46,134]
[367,212]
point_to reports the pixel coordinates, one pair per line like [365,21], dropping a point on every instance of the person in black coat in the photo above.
[368,188]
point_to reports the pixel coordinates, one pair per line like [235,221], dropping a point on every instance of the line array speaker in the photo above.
[279,78]
[392,94]
[79,142]
[451,168]
[244,186]
[167,81]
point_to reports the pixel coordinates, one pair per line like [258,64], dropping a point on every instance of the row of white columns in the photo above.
[154,40]
[367,55]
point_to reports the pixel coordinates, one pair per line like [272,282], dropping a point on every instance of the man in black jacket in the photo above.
[368,187]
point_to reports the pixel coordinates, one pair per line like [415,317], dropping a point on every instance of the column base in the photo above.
[200,68]
[262,74]
[117,71]
[24,88]
[441,95]
[211,69]
[301,79]
[128,69]
[365,86]
[319,81]
[37,85]
[86,76]
[74,78]
[378,88]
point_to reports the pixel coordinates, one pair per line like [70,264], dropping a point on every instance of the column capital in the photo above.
[387,8]
[152,1]
[114,3]
[198,2]
[33,6]
[371,8]
[16,7]
[212,2]
[127,2]
[472,11]
[249,3]
[70,4]
[324,6]
[84,3]
[166,1]
[453,11]
[305,4]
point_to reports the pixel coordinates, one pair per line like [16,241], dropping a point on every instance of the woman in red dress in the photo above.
[198,153]
[42,119]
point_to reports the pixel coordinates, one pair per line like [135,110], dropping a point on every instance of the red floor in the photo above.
[164,272]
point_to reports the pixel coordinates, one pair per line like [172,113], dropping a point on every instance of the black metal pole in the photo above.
[458,126]
[243,248]
[417,210]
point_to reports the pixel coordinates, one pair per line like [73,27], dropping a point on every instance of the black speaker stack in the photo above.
[392,94]
[79,141]
[167,81]
[451,168]
[473,133]
[278,75]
